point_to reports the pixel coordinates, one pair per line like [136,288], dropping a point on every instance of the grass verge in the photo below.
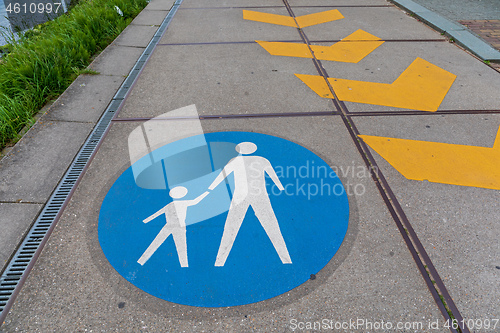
[44,61]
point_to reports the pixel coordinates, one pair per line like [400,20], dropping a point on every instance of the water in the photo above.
[3,21]
[26,21]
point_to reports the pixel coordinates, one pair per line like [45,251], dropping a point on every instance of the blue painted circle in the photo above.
[312,212]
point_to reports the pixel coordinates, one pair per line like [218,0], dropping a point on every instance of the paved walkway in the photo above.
[481,17]
[489,30]
[464,10]
[408,122]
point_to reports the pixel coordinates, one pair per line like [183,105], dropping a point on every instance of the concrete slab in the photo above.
[159,5]
[116,60]
[343,3]
[362,18]
[225,25]
[457,225]
[15,220]
[31,170]
[136,36]
[85,99]
[230,3]
[150,17]
[228,79]
[474,88]
[467,129]
[373,266]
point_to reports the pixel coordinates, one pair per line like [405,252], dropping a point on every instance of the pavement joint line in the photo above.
[384,40]
[229,7]
[219,43]
[459,33]
[145,25]
[419,113]
[111,75]
[342,6]
[47,219]
[428,271]
[395,211]
[417,250]
[135,47]
[53,120]
[312,114]
[22,202]
[274,6]
[300,41]
[233,116]
[131,46]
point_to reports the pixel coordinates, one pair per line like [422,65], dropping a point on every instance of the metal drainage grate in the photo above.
[21,263]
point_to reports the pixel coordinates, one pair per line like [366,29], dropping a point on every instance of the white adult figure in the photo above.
[250,190]
[175,214]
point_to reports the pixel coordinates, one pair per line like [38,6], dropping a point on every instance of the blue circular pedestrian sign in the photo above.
[223,219]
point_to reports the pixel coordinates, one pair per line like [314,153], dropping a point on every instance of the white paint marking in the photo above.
[250,190]
[175,214]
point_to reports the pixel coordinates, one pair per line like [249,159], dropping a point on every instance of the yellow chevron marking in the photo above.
[422,86]
[351,49]
[302,21]
[441,162]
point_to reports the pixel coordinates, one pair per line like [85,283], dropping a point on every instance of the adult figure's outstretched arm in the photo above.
[222,175]
[270,171]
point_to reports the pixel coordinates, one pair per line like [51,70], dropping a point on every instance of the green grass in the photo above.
[44,61]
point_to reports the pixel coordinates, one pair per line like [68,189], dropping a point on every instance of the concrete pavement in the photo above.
[454,19]
[412,247]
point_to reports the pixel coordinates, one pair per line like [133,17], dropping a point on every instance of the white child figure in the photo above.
[175,214]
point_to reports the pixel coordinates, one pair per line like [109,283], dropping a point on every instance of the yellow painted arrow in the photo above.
[288,21]
[441,162]
[422,86]
[351,49]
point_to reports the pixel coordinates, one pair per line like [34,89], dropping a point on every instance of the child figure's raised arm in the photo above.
[198,199]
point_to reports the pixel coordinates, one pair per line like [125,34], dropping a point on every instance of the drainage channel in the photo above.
[24,259]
